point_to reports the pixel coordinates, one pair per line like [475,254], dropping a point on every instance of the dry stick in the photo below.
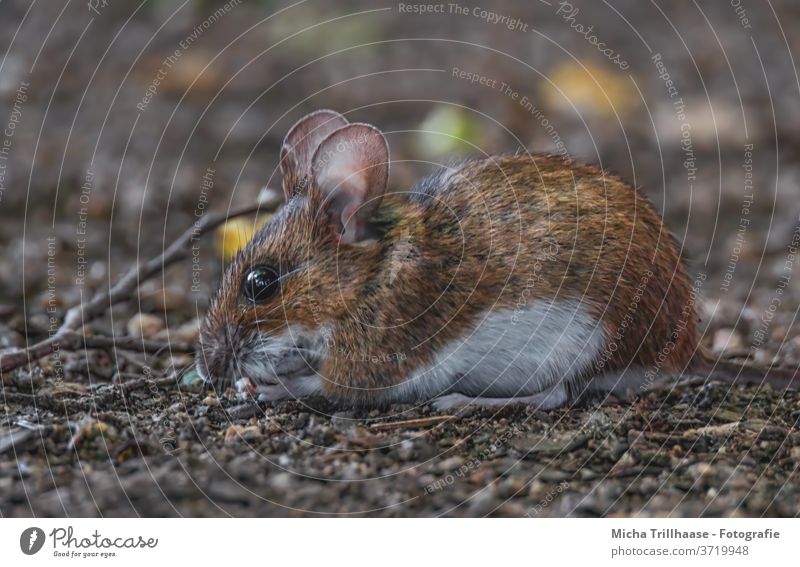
[67,337]
[130,343]
[409,423]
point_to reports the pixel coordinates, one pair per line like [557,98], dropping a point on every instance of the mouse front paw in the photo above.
[293,388]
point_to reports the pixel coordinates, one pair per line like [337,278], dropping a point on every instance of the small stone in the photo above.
[448,465]
[281,481]
[251,433]
[406,450]
[726,339]
[233,433]
[211,401]
[700,470]
[144,325]
[90,428]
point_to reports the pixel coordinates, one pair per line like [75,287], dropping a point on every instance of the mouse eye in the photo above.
[261,284]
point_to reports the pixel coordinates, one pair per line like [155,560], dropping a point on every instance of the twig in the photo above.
[15,439]
[67,337]
[732,354]
[411,423]
[133,343]
[140,383]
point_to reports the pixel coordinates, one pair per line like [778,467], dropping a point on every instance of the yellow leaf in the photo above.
[589,88]
[236,233]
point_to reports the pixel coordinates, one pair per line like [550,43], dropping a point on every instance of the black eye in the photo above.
[261,284]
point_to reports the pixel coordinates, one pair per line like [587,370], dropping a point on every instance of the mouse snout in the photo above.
[215,357]
[214,365]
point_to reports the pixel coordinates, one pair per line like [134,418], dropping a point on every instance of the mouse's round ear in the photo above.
[351,169]
[300,144]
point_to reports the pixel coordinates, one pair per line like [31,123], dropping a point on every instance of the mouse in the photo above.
[526,278]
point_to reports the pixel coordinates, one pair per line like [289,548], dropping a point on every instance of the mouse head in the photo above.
[280,295]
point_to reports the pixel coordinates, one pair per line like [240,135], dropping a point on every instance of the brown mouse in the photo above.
[524,278]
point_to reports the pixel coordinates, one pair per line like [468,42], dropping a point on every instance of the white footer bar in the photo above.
[354,542]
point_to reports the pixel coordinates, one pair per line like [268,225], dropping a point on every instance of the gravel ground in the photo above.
[90,176]
[699,450]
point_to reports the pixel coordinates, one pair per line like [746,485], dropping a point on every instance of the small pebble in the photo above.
[211,401]
[727,339]
[233,433]
[280,481]
[144,325]
[701,470]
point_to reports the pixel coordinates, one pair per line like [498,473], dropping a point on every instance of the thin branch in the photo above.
[80,314]
[133,343]
[412,423]
[67,338]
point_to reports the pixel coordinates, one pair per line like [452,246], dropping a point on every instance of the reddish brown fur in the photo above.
[471,241]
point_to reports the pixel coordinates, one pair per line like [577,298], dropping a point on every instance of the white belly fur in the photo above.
[512,353]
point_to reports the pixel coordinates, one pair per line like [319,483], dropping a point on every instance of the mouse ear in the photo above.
[351,169]
[300,144]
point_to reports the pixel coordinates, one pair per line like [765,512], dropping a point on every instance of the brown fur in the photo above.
[497,233]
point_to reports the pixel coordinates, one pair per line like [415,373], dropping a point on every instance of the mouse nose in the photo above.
[215,361]
[218,347]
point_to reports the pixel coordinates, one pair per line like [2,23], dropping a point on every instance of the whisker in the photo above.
[263,321]
[287,274]
[267,314]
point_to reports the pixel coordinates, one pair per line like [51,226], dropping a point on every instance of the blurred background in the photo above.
[113,113]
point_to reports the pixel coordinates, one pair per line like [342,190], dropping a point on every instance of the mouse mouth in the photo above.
[270,358]
[288,363]
[261,359]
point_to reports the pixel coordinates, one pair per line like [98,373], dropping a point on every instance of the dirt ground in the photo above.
[699,451]
[92,181]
